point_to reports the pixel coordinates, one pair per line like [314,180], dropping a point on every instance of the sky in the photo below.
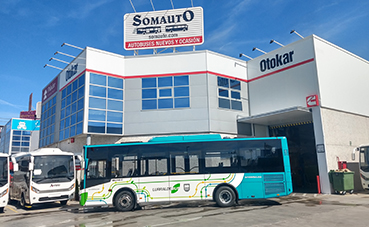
[31,31]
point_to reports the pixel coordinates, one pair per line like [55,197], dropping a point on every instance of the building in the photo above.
[311,91]
[20,135]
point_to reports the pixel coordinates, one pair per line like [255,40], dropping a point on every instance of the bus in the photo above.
[4,181]
[182,168]
[363,164]
[176,27]
[148,30]
[42,176]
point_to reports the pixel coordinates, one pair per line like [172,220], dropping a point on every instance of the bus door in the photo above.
[154,181]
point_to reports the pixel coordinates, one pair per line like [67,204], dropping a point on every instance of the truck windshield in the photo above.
[364,159]
[53,168]
[3,171]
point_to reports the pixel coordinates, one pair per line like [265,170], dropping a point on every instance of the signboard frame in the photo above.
[164,29]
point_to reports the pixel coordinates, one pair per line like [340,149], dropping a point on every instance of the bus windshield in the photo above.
[53,168]
[3,171]
[364,159]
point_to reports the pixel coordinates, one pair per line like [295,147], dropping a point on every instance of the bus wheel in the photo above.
[1,209]
[225,196]
[125,201]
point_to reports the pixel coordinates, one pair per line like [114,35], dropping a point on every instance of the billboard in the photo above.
[28,114]
[162,29]
[25,124]
[51,89]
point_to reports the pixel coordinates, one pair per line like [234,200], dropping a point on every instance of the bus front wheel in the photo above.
[225,196]
[125,201]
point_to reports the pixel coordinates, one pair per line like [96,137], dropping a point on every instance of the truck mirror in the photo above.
[15,167]
[30,166]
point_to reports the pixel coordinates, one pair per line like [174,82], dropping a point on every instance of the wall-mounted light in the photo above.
[255,48]
[70,45]
[58,52]
[293,31]
[273,41]
[52,66]
[59,60]
[241,54]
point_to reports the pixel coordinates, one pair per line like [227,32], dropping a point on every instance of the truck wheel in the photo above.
[125,201]
[225,196]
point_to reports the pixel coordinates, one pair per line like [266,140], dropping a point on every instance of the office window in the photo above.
[165,92]
[105,112]
[229,94]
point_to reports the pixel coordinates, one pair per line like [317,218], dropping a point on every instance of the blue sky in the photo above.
[31,31]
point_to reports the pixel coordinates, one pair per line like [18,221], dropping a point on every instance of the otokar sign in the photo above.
[162,29]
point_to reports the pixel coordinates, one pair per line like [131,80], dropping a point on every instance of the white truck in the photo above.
[41,176]
[4,181]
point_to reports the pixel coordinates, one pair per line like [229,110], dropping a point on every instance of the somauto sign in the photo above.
[162,29]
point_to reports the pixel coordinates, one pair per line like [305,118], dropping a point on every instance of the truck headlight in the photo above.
[35,189]
[71,187]
[4,193]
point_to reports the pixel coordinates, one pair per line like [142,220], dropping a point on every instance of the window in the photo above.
[105,105]
[47,124]
[72,108]
[229,94]
[21,140]
[165,92]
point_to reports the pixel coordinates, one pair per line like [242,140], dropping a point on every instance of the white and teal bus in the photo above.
[363,164]
[4,181]
[182,168]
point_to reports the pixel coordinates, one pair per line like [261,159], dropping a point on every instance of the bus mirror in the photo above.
[15,167]
[30,166]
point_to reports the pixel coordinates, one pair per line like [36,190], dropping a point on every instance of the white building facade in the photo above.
[310,91]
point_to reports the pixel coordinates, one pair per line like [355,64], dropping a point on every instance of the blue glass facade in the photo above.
[105,113]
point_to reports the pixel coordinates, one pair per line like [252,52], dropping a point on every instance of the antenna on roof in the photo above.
[172,4]
[59,60]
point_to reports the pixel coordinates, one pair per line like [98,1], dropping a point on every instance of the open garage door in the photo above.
[301,143]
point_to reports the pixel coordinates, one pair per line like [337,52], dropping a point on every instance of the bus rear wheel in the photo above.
[1,209]
[125,201]
[225,196]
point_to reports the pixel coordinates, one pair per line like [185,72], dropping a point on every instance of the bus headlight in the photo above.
[35,189]
[71,187]
[4,193]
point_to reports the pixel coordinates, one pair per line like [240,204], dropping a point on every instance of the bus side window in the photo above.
[97,169]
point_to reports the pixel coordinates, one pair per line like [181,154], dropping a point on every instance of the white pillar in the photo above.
[320,148]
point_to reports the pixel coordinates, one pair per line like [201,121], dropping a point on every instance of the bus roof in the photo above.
[187,138]
[44,151]
[3,155]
